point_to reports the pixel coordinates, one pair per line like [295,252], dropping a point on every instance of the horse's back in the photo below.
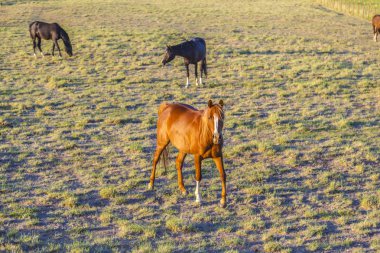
[376,21]
[200,43]
[199,40]
[169,113]
[175,106]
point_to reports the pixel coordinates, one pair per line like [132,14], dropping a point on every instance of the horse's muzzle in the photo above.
[216,138]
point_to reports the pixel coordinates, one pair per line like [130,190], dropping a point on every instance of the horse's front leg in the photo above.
[187,74]
[179,163]
[52,52]
[196,73]
[219,164]
[198,177]
[34,47]
[39,46]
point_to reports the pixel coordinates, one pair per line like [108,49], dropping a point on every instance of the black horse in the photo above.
[193,51]
[40,30]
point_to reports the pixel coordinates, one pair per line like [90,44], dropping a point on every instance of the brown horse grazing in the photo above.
[191,131]
[376,26]
[40,30]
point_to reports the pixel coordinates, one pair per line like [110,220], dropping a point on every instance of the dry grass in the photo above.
[301,89]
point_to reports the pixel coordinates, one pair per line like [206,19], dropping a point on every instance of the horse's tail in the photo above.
[165,152]
[204,66]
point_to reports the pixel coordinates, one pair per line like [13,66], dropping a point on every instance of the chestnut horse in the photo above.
[191,131]
[376,26]
[41,30]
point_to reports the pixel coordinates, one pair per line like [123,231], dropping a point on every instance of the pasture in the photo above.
[301,90]
[361,8]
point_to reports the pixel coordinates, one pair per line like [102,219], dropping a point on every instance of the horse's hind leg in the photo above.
[179,163]
[59,50]
[200,79]
[156,158]
[203,69]
[52,51]
[39,45]
[34,47]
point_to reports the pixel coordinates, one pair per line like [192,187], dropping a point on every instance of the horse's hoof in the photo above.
[150,186]
[222,204]
[184,192]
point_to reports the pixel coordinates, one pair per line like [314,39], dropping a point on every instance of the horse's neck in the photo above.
[205,133]
[182,50]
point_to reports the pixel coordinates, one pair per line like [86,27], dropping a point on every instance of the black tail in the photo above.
[204,66]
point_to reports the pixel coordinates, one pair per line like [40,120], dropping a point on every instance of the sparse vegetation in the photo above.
[301,135]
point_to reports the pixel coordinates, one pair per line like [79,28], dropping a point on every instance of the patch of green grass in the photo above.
[175,224]
[371,201]
[108,192]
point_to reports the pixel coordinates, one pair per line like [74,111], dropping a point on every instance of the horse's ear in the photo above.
[221,103]
[210,103]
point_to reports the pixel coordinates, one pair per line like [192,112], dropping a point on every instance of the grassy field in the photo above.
[361,8]
[302,101]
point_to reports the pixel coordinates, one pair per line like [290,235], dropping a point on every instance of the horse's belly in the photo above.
[184,143]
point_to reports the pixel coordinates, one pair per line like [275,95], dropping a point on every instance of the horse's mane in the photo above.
[182,46]
[65,37]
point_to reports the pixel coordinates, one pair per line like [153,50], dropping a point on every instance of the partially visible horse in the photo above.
[376,26]
[40,30]
[191,131]
[193,51]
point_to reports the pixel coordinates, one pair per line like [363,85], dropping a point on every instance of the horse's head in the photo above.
[169,55]
[68,47]
[215,118]
[69,50]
